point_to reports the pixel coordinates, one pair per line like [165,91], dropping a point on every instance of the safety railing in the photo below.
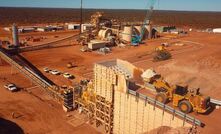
[167,108]
[214,101]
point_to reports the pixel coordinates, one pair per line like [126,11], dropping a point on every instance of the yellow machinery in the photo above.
[161,48]
[69,65]
[161,53]
[88,94]
[187,101]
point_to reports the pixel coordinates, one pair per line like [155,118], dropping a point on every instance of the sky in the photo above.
[187,5]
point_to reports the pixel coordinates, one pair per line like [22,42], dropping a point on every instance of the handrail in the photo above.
[214,101]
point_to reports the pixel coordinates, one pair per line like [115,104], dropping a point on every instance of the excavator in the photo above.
[186,100]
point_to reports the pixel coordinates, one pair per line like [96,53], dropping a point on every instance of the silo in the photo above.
[149,29]
[15,35]
[127,33]
[138,29]
[100,33]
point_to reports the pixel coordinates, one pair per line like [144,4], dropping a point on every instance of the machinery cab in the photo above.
[190,100]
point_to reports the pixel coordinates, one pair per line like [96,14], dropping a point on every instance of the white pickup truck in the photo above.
[11,87]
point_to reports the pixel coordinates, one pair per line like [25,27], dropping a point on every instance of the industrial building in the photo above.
[27,29]
[50,28]
[24,29]
[162,29]
[86,27]
[73,26]
[217,30]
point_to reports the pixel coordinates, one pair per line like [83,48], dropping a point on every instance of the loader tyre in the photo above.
[185,106]
[161,97]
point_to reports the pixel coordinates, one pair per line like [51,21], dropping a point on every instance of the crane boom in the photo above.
[148,17]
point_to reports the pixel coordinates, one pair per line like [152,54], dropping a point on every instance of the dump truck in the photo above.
[186,100]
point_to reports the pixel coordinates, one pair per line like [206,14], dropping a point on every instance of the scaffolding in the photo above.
[104,114]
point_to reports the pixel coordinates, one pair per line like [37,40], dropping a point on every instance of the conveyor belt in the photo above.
[35,78]
[48,45]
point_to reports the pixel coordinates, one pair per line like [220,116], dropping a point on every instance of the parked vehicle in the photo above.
[47,70]
[55,72]
[67,75]
[11,87]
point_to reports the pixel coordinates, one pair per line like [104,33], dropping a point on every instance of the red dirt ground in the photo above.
[35,112]
[197,64]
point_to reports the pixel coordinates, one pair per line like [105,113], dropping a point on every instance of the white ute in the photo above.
[67,75]
[11,87]
[55,72]
[47,70]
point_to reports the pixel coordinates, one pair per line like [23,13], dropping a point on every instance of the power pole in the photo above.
[81,15]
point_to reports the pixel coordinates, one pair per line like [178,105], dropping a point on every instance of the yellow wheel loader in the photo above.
[181,97]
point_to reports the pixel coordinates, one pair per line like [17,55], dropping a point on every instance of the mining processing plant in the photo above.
[108,76]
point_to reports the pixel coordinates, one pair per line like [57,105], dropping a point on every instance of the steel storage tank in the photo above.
[15,35]
[138,29]
[100,33]
[149,29]
[127,33]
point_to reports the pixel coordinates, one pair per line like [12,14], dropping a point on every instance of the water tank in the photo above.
[127,33]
